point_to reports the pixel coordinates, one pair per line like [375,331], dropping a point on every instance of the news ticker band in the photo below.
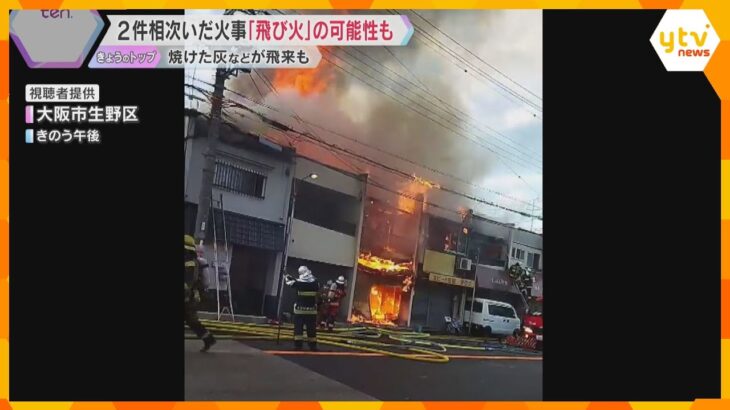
[195,40]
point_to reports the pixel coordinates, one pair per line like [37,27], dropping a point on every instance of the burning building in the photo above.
[384,290]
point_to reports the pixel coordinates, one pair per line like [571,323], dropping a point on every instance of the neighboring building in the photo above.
[458,253]
[441,285]
[253,178]
[454,250]
[326,225]
[527,250]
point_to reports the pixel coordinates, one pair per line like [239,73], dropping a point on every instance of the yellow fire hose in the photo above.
[421,346]
[286,334]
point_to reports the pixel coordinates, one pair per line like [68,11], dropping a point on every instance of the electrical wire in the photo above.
[431,118]
[429,37]
[379,164]
[475,55]
[455,111]
[458,61]
[499,157]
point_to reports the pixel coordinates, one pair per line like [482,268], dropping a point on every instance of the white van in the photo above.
[493,317]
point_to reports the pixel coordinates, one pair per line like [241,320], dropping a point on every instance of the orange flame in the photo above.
[408,202]
[357,318]
[426,183]
[306,81]
[384,302]
[384,306]
[381,264]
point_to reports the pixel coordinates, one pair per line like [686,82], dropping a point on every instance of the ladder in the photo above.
[222,268]
[516,281]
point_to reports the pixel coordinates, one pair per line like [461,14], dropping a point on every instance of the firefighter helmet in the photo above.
[190,243]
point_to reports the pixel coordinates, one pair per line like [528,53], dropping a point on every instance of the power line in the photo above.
[428,40]
[257,87]
[455,109]
[475,55]
[272,87]
[422,87]
[282,127]
[435,170]
[471,73]
[489,77]
[415,77]
[395,171]
[429,117]
[499,157]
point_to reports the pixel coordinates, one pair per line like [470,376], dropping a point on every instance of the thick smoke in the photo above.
[357,110]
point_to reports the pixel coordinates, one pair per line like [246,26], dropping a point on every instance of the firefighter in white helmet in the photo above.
[305,307]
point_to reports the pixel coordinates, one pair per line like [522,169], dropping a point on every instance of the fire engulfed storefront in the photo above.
[383,291]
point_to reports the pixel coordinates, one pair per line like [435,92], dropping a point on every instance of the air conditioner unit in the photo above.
[464,264]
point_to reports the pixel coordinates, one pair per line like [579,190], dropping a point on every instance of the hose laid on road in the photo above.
[345,342]
[419,346]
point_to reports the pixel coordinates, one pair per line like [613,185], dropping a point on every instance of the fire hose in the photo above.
[287,333]
[408,345]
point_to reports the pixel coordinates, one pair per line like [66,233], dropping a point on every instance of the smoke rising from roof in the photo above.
[349,106]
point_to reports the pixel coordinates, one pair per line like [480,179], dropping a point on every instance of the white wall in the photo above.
[528,242]
[276,194]
[526,250]
[328,178]
[318,244]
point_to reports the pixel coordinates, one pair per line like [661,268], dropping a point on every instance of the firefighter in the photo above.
[193,288]
[334,297]
[527,283]
[322,305]
[305,308]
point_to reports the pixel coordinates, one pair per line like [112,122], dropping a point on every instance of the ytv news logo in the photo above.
[685,40]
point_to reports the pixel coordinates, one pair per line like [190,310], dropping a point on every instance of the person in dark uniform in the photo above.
[305,308]
[322,305]
[334,298]
[527,283]
[193,288]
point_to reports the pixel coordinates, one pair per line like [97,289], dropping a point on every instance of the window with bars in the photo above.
[239,180]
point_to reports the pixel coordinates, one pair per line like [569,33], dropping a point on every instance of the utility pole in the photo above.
[532,214]
[206,184]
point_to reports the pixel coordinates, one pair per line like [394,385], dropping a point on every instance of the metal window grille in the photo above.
[239,180]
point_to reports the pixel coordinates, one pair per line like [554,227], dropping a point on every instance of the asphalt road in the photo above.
[482,378]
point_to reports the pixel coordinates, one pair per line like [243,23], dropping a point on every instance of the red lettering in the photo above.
[693,53]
